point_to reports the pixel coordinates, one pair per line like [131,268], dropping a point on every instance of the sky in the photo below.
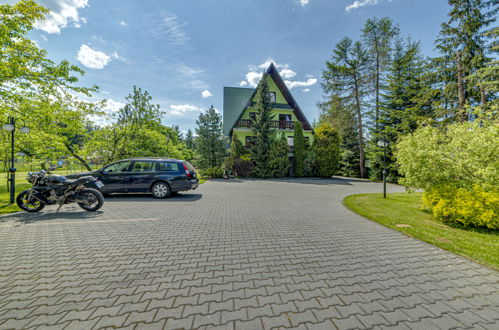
[183,52]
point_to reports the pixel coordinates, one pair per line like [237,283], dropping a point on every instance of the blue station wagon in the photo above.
[159,176]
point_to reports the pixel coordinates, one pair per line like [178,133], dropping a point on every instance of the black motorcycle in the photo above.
[49,189]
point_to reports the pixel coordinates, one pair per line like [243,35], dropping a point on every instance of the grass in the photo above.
[480,245]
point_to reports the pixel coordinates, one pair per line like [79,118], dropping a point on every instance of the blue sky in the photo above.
[185,51]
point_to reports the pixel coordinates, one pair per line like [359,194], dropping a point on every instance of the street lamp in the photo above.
[383,144]
[11,127]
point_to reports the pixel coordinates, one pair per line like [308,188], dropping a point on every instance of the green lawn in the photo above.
[404,212]
[21,184]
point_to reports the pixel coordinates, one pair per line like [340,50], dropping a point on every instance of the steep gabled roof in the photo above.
[235,100]
[274,74]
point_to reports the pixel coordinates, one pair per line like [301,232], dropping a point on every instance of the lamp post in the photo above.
[383,144]
[11,127]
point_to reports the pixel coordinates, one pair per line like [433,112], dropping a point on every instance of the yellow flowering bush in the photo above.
[475,208]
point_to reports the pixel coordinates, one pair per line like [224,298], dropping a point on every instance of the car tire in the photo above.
[161,190]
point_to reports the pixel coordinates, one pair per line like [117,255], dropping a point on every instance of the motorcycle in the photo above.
[48,189]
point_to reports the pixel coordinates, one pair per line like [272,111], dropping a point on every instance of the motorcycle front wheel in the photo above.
[90,199]
[29,205]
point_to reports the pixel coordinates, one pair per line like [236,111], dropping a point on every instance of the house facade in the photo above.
[239,109]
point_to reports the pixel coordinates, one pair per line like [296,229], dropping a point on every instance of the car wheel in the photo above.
[161,190]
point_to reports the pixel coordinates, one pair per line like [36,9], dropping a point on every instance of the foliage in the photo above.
[475,207]
[213,172]
[210,142]
[243,167]
[460,155]
[327,150]
[237,149]
[278,160]
[39,92]
[299,150]
[189,139]
[309,163]
[262,128]
[346,78]
[458,168]
[406,209]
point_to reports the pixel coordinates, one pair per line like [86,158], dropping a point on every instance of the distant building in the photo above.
[239,109]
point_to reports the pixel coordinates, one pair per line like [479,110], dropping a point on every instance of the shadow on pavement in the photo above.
[119,198]
[51,214]
[313,181]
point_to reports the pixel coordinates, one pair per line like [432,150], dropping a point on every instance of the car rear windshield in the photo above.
[167,167]
[189,166]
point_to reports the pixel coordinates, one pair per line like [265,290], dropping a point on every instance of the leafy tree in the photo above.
[210,144]
[463,52]
[262,128]
[378,35]
[278,160]
[346,77]
[299,150]
[189,139]
[39,91]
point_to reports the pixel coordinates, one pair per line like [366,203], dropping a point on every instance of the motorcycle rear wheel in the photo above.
[32,205]
[90,199]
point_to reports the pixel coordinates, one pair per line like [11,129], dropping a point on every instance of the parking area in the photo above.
[234,254]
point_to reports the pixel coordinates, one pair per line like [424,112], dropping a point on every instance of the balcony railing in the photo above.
[277,124]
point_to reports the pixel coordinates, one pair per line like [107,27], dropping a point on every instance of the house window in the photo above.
[252,115]
[291,141]
[272,97]
[250,141]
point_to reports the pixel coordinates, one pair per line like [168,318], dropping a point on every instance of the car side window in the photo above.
[117,167]
[167,167]
[143,166]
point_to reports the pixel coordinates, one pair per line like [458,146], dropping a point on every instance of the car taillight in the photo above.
[187,171]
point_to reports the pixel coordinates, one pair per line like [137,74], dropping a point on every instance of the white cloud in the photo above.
[252,78]
[62,13]
[293,84]
[173,30]
[192,76]
[112,106]
[360,3]
[91,58]
[206,93]
[305,90]
[123,23]
[303,3]
[44,38]
[183,109]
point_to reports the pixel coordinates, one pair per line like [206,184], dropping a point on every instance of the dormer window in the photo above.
[272,97]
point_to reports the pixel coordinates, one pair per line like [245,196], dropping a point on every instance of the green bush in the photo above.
[458,167]
[213,172]
[327,150]
[475,208]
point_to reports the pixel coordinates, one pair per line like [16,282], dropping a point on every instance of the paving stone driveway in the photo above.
[249,254]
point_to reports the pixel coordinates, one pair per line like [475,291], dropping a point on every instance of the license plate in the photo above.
[99,184]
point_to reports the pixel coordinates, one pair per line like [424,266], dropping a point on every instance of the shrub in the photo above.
[299,150]
[278,160]
[327,150]
[213,172]
[458,168]
[475,208]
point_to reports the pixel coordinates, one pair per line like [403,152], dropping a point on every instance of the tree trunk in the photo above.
[75,155]
[361,133]
[377,93]
[483,95]
[461,111]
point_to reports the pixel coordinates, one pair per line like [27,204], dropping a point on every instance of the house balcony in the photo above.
[276,124]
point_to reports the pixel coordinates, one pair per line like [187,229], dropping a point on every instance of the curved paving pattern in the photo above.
[241,254]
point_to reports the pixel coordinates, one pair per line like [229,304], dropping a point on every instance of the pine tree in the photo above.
[262,128]
[299,150]
[346,76]
[464,52]
[189,139]
[278,160]
[378,35]
[327,150]
[237,149]
[210,144]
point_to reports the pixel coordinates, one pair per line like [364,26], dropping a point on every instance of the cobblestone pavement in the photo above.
[245,254]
